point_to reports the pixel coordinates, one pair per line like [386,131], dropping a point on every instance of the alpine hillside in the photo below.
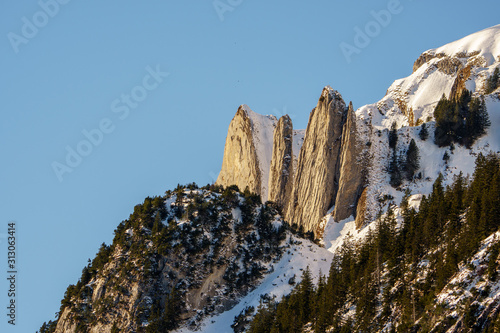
[380,219]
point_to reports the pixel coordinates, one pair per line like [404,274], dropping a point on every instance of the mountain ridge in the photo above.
[342,162]
[409,102]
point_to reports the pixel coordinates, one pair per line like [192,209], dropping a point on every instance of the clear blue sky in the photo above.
[86,57]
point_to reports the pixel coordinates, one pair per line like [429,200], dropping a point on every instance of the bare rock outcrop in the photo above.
[449,65]
[361,210]
[305,174]
[425,57]
[247,155]
[352,171]
[316,183]
[282,170]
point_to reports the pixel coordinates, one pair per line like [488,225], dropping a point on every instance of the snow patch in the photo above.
[263,133]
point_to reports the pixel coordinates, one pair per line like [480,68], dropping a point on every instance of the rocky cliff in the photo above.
[318,171]
[353,164]
[310,171]
[344,152]
[282,169]
[248,150]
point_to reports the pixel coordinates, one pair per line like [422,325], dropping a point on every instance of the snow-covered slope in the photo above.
[410,102]
[486,42]
[300,254]
[263,131]
[470,286]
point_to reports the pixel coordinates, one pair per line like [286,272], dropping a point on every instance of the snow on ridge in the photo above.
[486,41]
[421,91]
[263,133]
[417,95]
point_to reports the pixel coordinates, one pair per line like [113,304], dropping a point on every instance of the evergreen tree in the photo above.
[443,114]
[321,313]
[157,225]
[393,136]
[461,120]
[446,156]
[305,296]
[424,133]
[173,309]
[48,327]
[264,318]
[493,81]
[477,122]
[412,162]
[394,170]
[492,261]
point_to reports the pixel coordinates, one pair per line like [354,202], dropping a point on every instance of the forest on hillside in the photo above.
[390,280]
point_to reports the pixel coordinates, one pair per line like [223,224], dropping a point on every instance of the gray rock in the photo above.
[282,171]
[352,170]
[318,172]
[240,165]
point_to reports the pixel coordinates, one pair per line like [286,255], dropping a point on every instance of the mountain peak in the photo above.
[484,43]
[329,91]
[248,151]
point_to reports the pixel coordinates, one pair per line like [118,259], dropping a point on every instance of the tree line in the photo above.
[380,278]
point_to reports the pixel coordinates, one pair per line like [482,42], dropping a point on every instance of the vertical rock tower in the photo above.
[282,173]
[318,172]
[259,153]
[248,152]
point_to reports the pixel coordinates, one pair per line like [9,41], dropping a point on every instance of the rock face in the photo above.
[318,172]
[247,153]
[352,170]
[307,173]
[361,210]
[282,170]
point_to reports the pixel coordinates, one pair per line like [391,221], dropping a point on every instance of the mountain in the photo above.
[248,151]
[397,201]
[431,269]
[342,164]
[305,170]
[409,104]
